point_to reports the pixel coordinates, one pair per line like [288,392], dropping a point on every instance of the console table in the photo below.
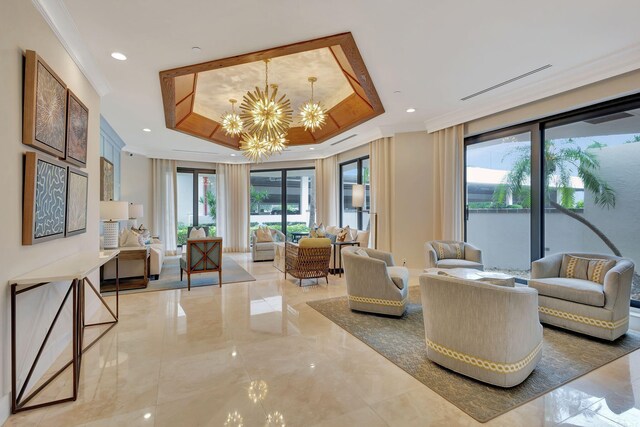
[76,269]
[135,254]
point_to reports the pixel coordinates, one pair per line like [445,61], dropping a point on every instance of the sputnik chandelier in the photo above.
[264,119]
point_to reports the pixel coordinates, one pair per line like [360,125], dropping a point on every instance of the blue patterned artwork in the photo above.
[51,189]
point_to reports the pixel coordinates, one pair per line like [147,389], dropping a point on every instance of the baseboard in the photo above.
[634,319]
[5,408]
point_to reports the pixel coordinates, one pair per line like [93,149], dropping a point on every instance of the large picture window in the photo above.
[283,199]
[196,194]
[574,188]
[352,173]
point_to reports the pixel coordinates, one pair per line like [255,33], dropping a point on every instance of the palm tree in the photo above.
[561,158]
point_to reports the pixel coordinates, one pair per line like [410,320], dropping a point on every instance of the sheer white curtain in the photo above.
[165,203]
[380,192]
[448,164]
[232,219]
[327,191]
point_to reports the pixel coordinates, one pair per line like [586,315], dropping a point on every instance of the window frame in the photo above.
[359,168]
[283,190]
[538,128]
[195,172]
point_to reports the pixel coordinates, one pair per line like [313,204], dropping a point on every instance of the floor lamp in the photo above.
[357,201]
[110,213]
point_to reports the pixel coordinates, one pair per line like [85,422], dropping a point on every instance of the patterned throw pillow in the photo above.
[449,250]
[263,234]
[317,231]
[344,234]
[594,270]
[331,237]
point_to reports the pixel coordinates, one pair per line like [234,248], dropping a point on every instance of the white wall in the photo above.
[136,185]
[22,28]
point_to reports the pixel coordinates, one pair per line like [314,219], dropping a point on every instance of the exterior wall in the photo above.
[24,28]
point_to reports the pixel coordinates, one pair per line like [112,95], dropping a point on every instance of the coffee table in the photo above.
[492,277]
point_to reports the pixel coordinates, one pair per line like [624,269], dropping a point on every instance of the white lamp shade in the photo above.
[135,211]
[357,195]
[114,211]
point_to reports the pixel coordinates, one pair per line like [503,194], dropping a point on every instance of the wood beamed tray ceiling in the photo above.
[196,96]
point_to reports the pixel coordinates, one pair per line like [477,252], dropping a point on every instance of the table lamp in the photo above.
[110,213]
[135,211]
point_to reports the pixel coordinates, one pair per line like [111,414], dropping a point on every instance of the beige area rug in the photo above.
[566,356]
[170,277]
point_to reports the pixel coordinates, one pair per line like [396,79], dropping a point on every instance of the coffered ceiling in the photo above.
[426,55]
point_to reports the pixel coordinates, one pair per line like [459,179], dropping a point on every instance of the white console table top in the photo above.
[75,266]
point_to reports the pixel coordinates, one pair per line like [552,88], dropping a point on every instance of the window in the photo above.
[283,199]
[196,201]
[351,173]
[579,173]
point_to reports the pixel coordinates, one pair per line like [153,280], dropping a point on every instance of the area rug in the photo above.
[170,277]
[566,356]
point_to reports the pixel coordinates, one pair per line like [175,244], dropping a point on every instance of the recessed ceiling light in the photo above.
[411,110]
[147,415]
[119,56]
[311,148]
[233,155]
[196,49]
[146,130]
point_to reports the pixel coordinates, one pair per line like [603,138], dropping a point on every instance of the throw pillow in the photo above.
[197,233]
[132,239]
[594,270]
[263,234]
[344,234]
[331,237]
[449,250]
[362,252]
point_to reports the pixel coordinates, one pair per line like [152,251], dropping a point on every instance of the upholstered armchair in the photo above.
[264,251]
[308,259]
[452,254]
[374,283]
[202,256]
[598,308]
[484,331]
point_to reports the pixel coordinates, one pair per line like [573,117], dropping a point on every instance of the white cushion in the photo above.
[197,233]
[399,276]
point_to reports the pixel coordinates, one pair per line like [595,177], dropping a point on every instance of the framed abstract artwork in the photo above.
[106,180]
[77,131]
[77,193]
[44,199]
[44,118]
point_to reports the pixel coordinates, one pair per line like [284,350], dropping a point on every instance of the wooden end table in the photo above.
[337,248]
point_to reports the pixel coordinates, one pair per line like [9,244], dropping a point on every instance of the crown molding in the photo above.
[620,62]
[59,19]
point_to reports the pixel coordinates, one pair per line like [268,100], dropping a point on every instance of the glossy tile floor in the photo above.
[254,354]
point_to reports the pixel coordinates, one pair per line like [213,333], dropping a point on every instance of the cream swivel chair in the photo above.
[265,251]
[374,283]
[452,254]
[587,293]
[484,331]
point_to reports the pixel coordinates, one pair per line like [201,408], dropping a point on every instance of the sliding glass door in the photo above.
[283,199]
[196,197]
[498,191]
[352,173]
[567,183]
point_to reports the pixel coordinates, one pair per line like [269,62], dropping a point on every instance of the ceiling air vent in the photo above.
[344,139]
[506,82]
[609,118]
[194,151]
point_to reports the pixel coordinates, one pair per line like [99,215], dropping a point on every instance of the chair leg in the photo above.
[220,278]
[181,271]
[300,282]
[188,281]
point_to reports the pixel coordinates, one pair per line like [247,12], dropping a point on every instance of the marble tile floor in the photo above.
[254,354]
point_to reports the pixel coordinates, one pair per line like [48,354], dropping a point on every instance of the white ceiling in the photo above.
[425,54]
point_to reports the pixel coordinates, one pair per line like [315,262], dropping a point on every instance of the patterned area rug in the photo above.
[170,277]
[566,356]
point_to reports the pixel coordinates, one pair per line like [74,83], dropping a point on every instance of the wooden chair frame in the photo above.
[192,245]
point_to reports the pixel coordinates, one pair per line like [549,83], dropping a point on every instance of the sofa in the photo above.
[598,307]
[264,251]
[452,254]
[374,283]
[488,332]
[361,236]
[134,268]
